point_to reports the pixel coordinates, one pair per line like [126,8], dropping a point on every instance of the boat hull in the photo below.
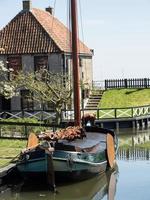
[67,166]
[76,160]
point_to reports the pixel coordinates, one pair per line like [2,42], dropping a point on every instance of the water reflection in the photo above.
[97,188]
[134,144]
[133,154]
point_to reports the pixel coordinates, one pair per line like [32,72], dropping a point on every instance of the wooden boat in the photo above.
[61,159]
[64,160]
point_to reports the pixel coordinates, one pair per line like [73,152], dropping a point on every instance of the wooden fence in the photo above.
[130,112]
[127,83]
[20,130]
[103,113]
[119,113]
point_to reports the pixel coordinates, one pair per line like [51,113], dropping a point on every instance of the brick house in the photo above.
[36,38]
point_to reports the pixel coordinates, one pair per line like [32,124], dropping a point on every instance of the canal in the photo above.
[130,180]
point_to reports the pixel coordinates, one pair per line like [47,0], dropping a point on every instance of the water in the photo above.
[129,181]
[134,180]
[95,188]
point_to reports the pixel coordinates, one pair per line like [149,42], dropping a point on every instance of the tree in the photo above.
[46,87]
[6,88]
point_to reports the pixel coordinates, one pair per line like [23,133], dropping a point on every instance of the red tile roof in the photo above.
[36,31]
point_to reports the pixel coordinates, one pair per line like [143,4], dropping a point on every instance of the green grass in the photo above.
[4,162]
[121,98]
[12,143]
[9,149]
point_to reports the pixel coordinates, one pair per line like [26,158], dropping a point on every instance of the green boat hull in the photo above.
[78,160]
[66,164]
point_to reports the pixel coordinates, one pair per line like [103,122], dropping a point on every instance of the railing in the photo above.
[20,130]
[127,83]
[117,113]
[130,112]
[37,114]
[103,113]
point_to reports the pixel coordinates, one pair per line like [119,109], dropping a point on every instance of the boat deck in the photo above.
[91,139]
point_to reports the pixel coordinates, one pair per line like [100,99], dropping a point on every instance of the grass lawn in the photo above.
[120,98]
[10,149]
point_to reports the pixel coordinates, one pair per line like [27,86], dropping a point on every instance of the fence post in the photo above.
[145,82]
[26,131]
[115,113]
[125,83]
[23,113]
[105,84]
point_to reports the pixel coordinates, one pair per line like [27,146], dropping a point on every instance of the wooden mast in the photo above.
[76,79]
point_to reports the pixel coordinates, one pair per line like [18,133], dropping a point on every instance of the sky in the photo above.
[117,30]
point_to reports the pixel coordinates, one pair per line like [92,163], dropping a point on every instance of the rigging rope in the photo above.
[69,39]
[81,19]
[85,63]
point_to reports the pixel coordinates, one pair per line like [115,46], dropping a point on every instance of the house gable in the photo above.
[37,31]
[25,35]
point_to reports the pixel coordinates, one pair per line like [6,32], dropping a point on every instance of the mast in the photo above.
[76,79]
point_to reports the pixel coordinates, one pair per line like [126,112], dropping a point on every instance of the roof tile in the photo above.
[36,31]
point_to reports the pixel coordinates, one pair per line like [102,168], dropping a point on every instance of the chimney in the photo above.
[26,5]
[49,9]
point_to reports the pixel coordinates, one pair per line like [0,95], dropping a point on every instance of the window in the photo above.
[27,100]
[15,63]
[40,62]
[5,104]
